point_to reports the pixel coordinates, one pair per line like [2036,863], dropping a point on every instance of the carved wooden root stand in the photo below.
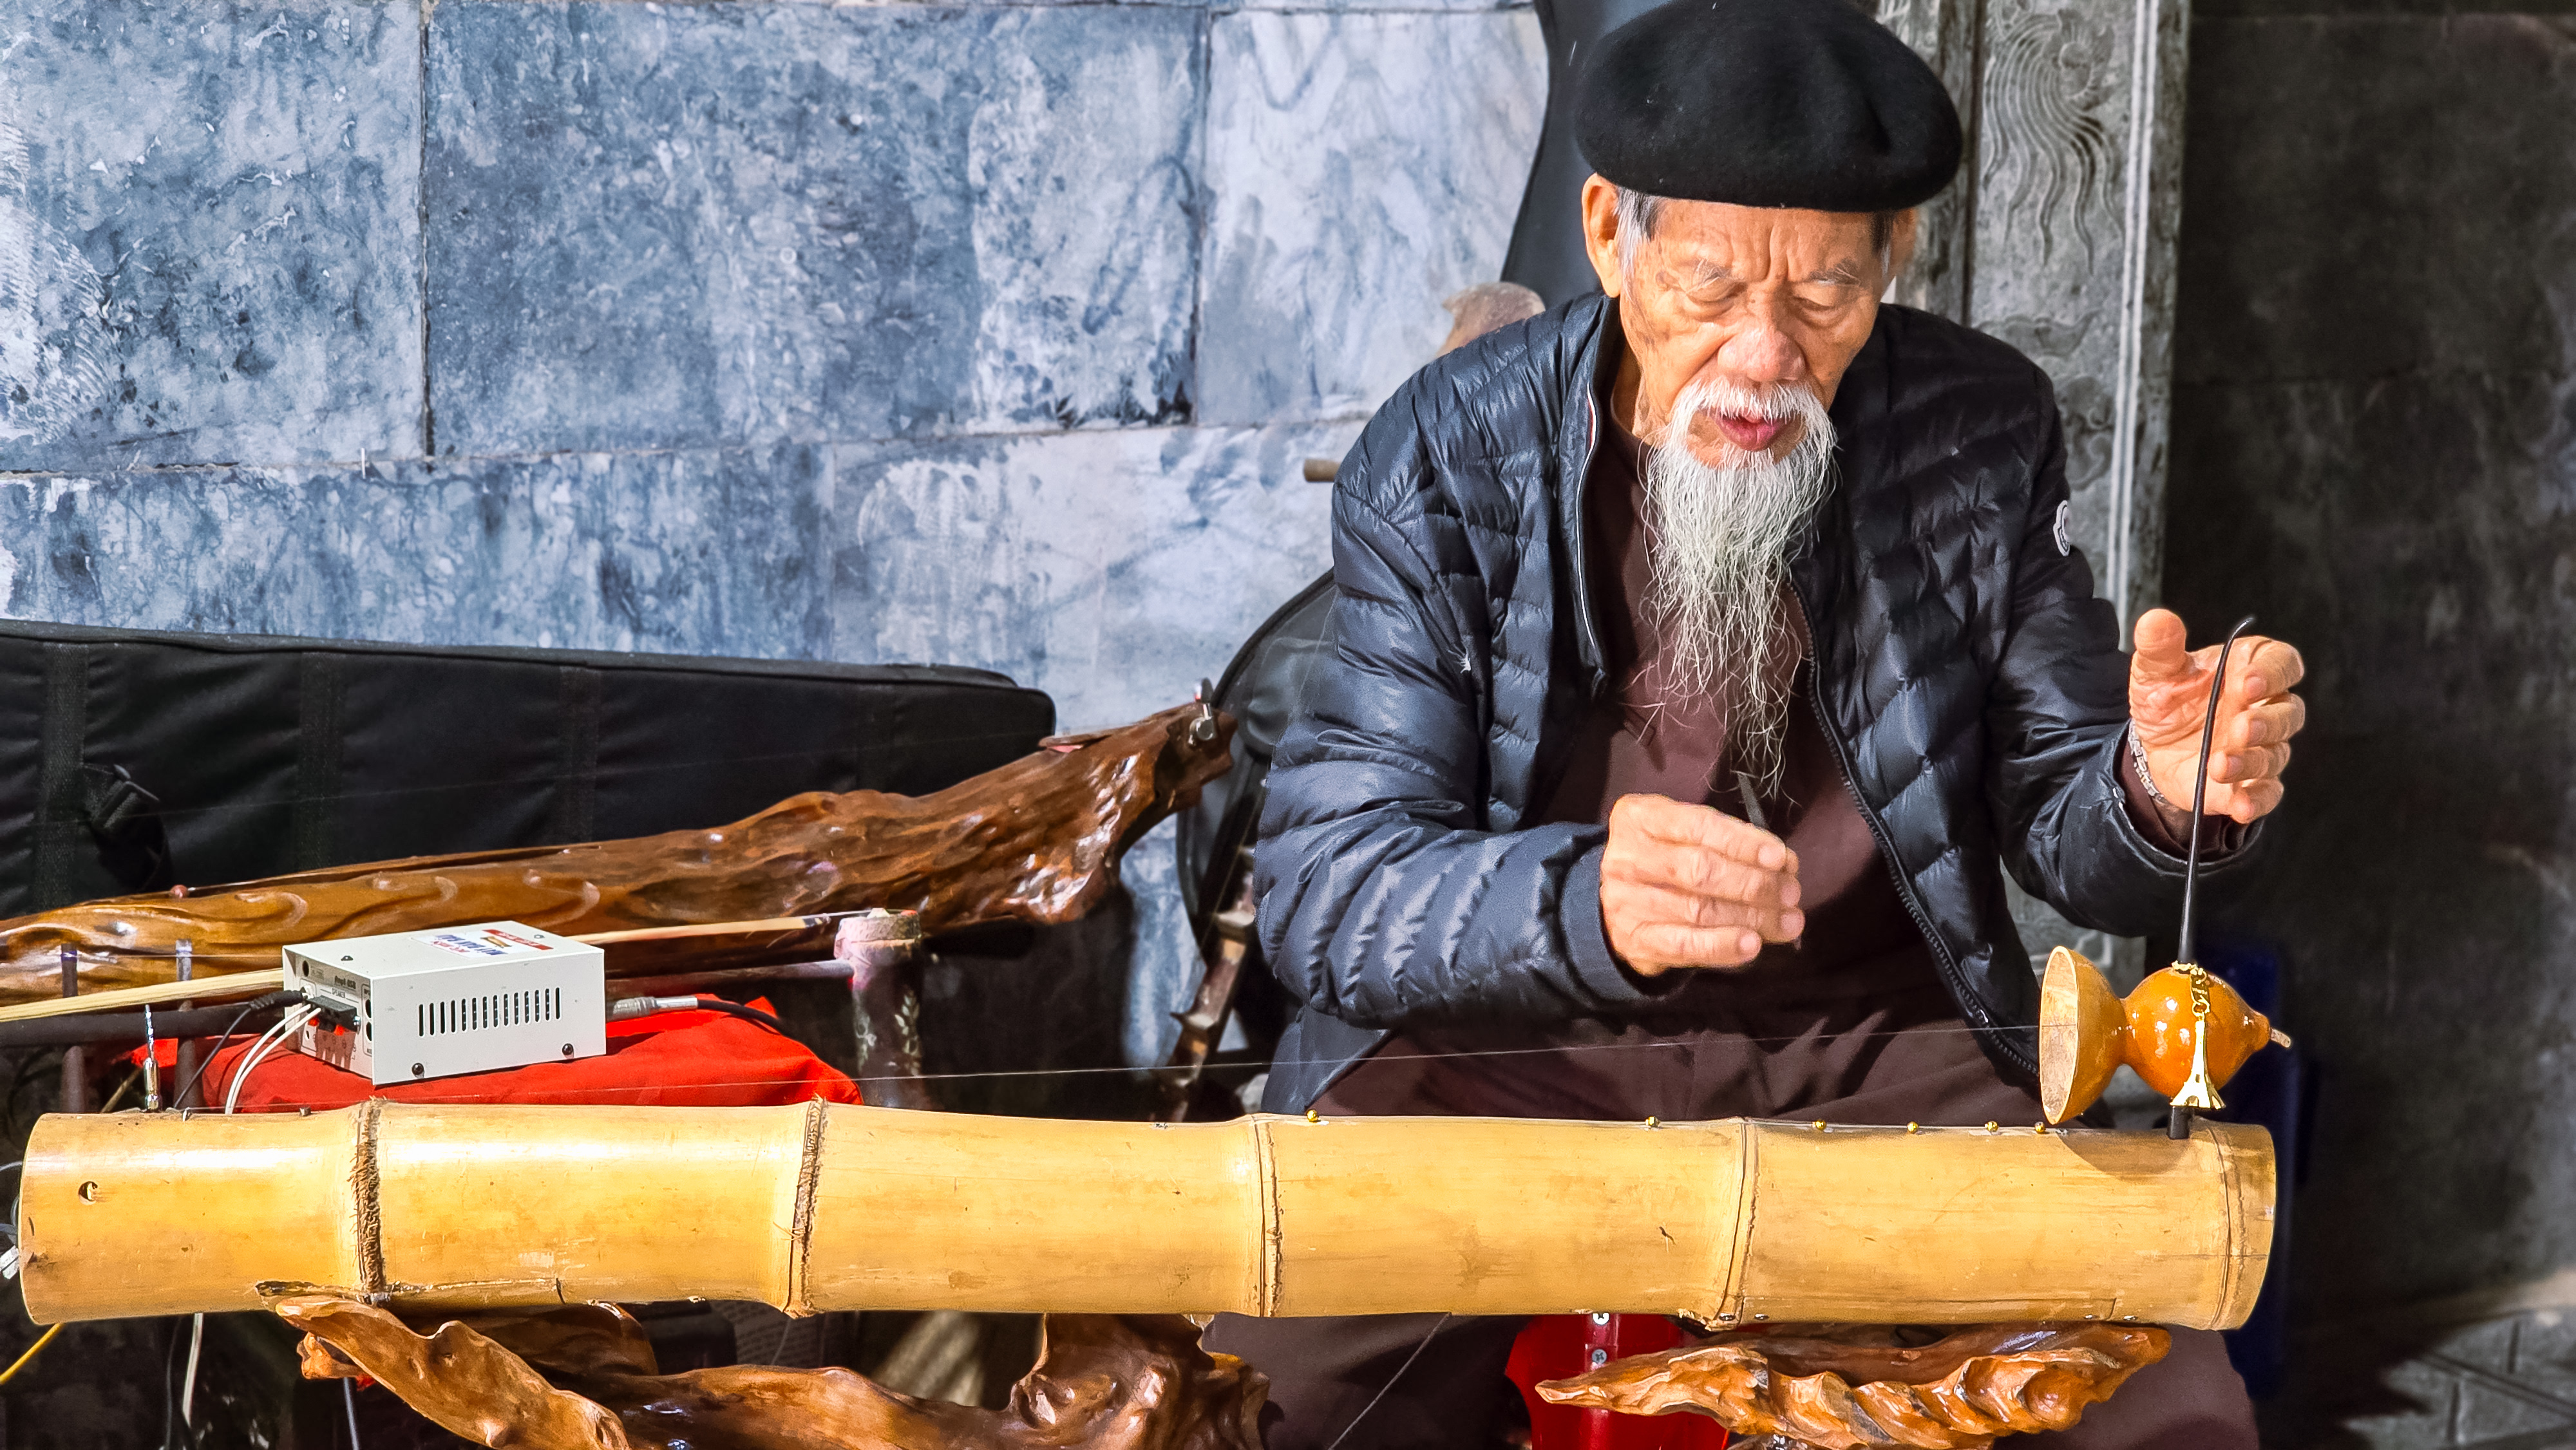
[1037,840]
[1843,1389]
[583,1378]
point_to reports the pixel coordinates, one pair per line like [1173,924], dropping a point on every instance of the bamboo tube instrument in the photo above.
[832,1207]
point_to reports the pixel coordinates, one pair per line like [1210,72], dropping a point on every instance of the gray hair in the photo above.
[1638,213]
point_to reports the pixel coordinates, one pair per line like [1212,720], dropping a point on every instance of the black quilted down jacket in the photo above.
[1970,680]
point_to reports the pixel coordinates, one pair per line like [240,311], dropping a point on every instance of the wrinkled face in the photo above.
[1746,302]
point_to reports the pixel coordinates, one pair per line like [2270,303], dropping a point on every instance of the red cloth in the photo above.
[675,1059]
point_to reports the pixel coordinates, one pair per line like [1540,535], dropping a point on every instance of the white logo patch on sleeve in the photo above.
[2065,527]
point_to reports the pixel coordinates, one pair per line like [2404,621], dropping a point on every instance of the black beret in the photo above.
[1789,103]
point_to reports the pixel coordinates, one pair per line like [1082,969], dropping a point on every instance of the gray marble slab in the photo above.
[1111,569]
[1361,168]
[1459,7]
[714,552]
[676,226]
[209,232]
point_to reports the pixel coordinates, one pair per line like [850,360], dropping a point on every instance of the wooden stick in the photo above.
[712,928]
[822,1206]
[231,984]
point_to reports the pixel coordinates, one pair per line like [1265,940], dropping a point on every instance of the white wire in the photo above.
[292,1023]
[242,1063]
[268,1042]
[188,1386]
[285,1020]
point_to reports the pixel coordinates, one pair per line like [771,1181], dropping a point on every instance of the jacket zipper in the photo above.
[1596,659]
[1941,957]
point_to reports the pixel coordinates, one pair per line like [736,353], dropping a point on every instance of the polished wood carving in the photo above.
[1037,840]
[2086,1032]
[583,1378]
[1844,1390]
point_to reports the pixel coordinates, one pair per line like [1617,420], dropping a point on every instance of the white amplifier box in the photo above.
[424,1004]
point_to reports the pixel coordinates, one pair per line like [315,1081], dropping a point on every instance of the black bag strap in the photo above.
[574,809]
[61,819]
[320,692]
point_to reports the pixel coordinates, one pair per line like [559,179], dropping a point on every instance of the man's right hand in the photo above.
[1689,886]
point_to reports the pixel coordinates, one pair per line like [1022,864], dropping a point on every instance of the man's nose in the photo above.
[1764,351]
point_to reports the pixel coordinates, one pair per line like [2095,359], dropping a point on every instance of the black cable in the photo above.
[747,1014]
[2190,949]
[75,1029]
[273,999]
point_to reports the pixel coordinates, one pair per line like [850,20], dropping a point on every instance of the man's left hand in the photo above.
[2169,697]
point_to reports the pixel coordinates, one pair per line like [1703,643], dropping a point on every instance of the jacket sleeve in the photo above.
[2057,716]
[1384,899]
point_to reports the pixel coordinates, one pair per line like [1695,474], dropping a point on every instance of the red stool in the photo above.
[1558,1346]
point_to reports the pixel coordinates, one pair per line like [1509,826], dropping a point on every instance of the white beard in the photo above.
[1718,540]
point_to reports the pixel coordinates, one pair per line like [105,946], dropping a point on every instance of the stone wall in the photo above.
[983,334]
[2375,451]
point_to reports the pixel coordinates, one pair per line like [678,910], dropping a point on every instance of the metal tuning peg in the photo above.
[1202,730]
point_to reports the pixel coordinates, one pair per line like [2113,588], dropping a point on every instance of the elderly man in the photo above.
[1706,652]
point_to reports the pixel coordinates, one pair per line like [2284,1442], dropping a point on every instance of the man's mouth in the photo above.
[1751,432]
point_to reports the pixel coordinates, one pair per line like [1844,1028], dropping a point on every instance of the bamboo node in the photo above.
[800,1233]
[365,1187]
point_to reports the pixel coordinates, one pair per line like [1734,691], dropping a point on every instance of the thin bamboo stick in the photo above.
[830,1207]
[206,989]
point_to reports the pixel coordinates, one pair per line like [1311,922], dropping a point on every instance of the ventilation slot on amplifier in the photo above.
[493,1009]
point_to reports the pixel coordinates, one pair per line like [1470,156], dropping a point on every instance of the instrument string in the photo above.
[592,1093]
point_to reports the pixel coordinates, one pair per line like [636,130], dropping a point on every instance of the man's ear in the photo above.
[1900,245]
[1601,232]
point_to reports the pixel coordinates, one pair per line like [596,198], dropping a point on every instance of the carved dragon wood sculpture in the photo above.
[1846,1389]
[1037,840]
[583,1378]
